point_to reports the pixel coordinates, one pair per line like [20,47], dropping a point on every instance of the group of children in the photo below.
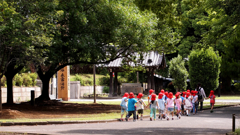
[184,103]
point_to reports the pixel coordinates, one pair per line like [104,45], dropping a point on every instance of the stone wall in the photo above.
[89,90]
[21,94]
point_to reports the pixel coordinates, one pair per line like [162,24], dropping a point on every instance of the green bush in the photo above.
[237,86]
[104,81]
[27,80]
[4,81]
[18,80]
[34,77]
[106,89]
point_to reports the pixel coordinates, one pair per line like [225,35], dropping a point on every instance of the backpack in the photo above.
[199,94]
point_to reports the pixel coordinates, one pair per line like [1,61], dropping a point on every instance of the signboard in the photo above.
[63,83]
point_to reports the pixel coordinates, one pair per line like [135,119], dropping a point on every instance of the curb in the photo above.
[79,122]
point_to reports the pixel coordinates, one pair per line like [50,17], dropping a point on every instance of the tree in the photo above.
[91,32]
[204,68]
[178,71]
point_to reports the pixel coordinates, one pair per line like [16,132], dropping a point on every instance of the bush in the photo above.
[27,80]
[18,80]
[4,81]
[204,67]
[104,81]
[34,77]
[106,89]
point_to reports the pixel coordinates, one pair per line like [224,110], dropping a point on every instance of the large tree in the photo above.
[92,32]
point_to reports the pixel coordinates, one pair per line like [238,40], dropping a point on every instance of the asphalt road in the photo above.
[219,122]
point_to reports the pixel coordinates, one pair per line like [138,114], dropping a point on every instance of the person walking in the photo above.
[201,95]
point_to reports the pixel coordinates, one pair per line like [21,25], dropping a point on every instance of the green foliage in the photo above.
[27,80]
[105,81]
[106,89]
[3,81]
[34,77]
[204,68]
[178,71]
[237,86]
[18,79]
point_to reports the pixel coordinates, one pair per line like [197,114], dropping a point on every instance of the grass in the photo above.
[228,97]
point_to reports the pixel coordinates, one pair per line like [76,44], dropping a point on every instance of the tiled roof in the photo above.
[150,59]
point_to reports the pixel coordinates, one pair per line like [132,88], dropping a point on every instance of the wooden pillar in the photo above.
[111,84]
[149,81]
[152,79]
[115,84]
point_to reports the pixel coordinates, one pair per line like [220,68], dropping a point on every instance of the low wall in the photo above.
[89,90]
[21,94]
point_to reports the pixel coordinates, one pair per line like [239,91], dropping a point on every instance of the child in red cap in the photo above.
[178,102]
[212,99]
[131,107]
[161,104]
[170,105]
[195,101]
[151,91]
[154,106]
[140,106]
[124,105]
[187,104]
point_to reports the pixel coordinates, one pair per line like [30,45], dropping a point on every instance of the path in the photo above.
[219,122]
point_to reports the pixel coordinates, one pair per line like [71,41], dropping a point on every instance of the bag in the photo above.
[199,95]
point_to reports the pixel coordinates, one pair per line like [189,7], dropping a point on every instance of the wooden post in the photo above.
[233,122]
[111,84]
[115,84]
[137,77]
[94,84]
[149,81]
[32,97]
[152,79]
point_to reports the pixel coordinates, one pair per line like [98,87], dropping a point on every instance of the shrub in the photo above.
[104,81]
[18,79]
[106,89]
[27,80]
[34,77]
[4,81]
[204,67]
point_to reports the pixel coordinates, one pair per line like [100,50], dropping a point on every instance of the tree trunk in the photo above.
[9,78]
[10,73]
[45,88]
[0,96]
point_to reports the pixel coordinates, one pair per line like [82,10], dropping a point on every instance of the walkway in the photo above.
[219,122]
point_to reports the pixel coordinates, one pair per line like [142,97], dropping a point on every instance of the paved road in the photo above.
[219,122]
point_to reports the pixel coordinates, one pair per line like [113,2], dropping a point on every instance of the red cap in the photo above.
[188,90]
[131,95]
[192,91]
[151,91]
[160,95]
[125,95]
[139,95]
[162,91]
[170,95]
[211,92]
[153,97]
[166,94]
[183,93]
[176,95]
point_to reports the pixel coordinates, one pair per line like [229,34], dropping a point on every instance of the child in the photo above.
[151,91]
[170,105]
[195,102]
[140,106]
[178,102]
[212,100]
[188,104]
[161,104]
[183,98]
[131,107]
[124,105]
[154,106]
